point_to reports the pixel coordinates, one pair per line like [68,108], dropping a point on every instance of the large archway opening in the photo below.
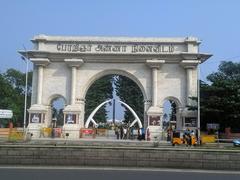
[170,117]
[114,115]
[57,118]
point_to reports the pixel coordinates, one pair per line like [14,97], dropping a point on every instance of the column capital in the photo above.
[155,63]
[40,61]
[190,64]
[74,62]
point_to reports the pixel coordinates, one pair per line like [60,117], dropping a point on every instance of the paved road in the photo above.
[49,173]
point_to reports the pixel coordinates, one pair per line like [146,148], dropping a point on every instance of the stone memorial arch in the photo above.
[67,66]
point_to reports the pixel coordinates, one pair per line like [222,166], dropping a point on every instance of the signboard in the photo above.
[6,114]
[70,119]
[35,118]
[115,48]
[154,120]
[87,131]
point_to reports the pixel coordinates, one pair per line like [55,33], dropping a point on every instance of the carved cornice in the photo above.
[195,56]
[190,63]
[40,61]
[46,38]
[74,62]
[155,63]
[115,58]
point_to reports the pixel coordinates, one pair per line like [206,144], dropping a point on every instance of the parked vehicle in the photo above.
[236,142]
[179,138]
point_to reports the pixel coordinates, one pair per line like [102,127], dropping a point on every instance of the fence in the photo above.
[12,134]
[85,133]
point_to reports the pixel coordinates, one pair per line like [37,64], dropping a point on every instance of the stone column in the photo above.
[73,85]
[154,112]
[73,109]
[154,86]
[191,77]
[74,64]
[40,64]
[35,109]
[82,107]
[40,84]
[190,65]
[154,64]
[189,85]
[147,104]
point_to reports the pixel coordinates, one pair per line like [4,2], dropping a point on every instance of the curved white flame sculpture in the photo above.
[90,118]
[134,114]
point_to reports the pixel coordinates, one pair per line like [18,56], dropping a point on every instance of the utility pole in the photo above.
[113,111]
[26,89]
[198,102]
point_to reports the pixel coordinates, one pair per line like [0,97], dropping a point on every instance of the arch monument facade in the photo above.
[67,66]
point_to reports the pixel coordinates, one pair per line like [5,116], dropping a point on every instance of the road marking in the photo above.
[122,169]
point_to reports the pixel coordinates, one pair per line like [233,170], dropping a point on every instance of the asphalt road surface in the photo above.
[51,173]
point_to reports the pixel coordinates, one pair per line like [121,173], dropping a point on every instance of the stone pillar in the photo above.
[40,84]
[154,64]
[40,64]
[191,77]
[73,85]
[189,116]
[73,112]
[179,119]
[154,113]
[154,86]
[81,102]
[189,85]
[38,111]
[147,104]
[74,64]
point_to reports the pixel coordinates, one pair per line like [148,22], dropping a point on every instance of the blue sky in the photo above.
[215,22]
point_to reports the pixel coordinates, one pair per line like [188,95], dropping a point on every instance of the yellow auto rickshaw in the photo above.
[179,138]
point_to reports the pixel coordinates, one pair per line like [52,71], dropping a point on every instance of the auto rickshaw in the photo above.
[182,138]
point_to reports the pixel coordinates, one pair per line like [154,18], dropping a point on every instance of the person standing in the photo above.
[117,132]
[121,132]
[143,133]
[124,133]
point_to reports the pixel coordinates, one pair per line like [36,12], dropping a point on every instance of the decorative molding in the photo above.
[43,37]
[40,61]
[190,63]
[74,62]
[155,63]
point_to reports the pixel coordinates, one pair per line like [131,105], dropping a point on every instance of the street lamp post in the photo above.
[198,102]
[26,89]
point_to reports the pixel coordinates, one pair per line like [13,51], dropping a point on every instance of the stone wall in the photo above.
[120,156]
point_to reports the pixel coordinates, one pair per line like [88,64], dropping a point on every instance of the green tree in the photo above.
[99,92]
[60,118]
[173,110]
[129,92]
[12,91]
[220,100]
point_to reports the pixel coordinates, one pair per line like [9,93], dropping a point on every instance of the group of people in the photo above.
[188,137]
[125,132]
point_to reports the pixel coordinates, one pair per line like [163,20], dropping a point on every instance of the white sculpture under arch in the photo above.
[134,114]
[90,118]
